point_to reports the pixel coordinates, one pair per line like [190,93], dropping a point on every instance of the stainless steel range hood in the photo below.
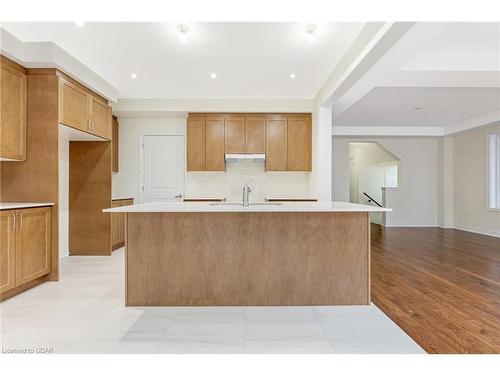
[255,158]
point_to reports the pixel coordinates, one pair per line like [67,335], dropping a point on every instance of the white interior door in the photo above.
[162,168]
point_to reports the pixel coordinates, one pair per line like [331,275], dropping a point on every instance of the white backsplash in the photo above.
[229,184]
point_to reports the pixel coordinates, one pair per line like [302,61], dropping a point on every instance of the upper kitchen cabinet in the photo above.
[234,139]
[299,143]
[195,144]
[100,118]
[114,144]
[82,109]
[255,134]
[284,138]
[245,134]
[276,143]
[214,146]
[288,143]
[13,98]
[73,106]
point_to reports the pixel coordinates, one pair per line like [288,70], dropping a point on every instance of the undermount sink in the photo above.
[241,204]
[265,204]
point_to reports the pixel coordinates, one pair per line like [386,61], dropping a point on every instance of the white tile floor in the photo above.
[85,313]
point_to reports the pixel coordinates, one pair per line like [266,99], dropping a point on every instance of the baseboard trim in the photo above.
[411,226]
[491,233]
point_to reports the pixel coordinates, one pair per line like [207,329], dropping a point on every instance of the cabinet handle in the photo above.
[91,125]
[21,221]
[14,221]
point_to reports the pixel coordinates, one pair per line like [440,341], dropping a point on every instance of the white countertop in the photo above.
[19,205]
[290,198]
[283,207]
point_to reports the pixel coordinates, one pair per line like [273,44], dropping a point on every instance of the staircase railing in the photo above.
[370,200]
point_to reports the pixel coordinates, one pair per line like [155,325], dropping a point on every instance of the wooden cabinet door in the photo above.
[255,135]
[214,149]
[299,143]
[234,141]
[7,250]
[74,106]
[121,228]
[276,143]
[114,145]
[123,234]
[115,225]
[13,91]
[33,244]
[195,144]
[100,118]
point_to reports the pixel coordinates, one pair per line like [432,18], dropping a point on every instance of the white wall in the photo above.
[414,202]
[320,182]
[470,183]
[445,182]
[199,184]
[125,183]
[229,184]
[63,197]
[370,175]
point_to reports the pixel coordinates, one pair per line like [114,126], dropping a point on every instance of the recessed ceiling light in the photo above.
[417,108]
[183,32]
[292,76]
[80,24]
[133,75]
[213,75]
[311,32]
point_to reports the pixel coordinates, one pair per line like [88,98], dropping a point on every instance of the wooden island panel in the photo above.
[245,259]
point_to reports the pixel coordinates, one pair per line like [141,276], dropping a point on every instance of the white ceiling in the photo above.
[252,60]
[450,70]
[439,106]
[376,151]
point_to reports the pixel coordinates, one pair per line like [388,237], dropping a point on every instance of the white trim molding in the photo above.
[492,233]
[50,55]
[160,107]
[474,122]
[397,131]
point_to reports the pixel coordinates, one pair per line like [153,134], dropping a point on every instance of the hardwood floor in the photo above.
[441,286]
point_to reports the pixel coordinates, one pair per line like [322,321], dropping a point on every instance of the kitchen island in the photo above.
[225,254]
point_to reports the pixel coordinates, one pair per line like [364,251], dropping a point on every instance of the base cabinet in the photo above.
[33,240]
[118,223]
[25,246]
[7,250]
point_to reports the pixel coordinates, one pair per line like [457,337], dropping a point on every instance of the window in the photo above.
[494,170]
[391,180]
[391,175]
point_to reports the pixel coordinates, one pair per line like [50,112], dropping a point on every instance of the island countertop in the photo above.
[321,206]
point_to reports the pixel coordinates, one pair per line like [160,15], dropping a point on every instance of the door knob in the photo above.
[178,196]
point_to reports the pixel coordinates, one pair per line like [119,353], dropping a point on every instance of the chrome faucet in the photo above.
[246,191]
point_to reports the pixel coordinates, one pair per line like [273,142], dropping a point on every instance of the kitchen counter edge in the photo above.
[284,207]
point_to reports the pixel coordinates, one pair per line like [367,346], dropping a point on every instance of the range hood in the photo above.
[255,158]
